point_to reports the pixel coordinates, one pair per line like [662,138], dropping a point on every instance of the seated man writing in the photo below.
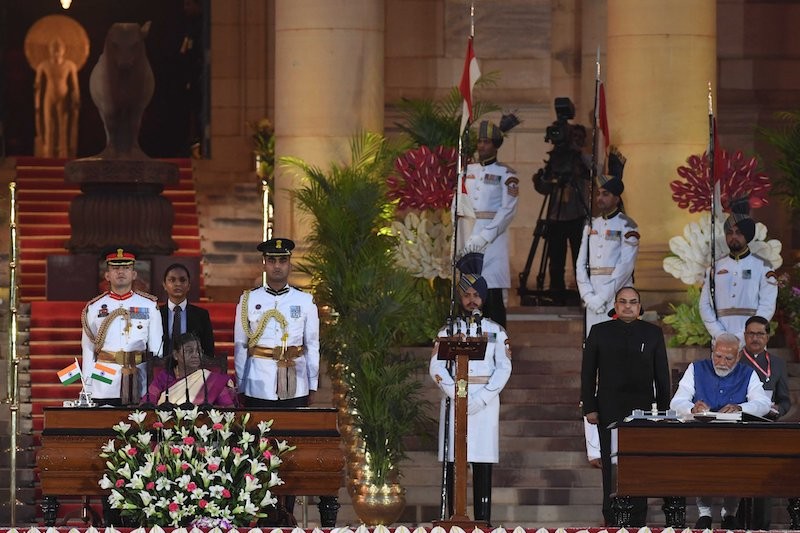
[185,375]
[720,384]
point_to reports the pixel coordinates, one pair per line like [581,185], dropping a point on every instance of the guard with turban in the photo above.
[487,377]
[743,284]
[487,202]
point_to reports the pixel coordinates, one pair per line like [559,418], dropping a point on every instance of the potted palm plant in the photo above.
[372,304]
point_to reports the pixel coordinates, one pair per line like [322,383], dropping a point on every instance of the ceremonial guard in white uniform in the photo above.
[612,243]
[487,203]
[744,283]
[120,327]
[487,377]
[276,337]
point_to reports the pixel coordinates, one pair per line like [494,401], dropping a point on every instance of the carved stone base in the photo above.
[674,511]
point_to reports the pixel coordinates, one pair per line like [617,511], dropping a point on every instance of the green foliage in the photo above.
[686,321]
[435,123]
[786,140]
[373,304]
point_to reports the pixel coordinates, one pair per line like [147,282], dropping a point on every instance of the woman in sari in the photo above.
[185,375]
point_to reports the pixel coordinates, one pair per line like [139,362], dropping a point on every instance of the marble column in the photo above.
[329,85]
[661,56]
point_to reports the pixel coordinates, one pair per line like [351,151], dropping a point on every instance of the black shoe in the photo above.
[730,522]
[704,522]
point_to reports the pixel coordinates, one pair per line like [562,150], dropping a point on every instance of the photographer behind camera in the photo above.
[564,181]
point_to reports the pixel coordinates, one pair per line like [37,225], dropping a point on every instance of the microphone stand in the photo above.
[188,403]
[206,405]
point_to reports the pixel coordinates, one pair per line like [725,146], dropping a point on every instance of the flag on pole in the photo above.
[103,373]
[70,374]
[601,123]
[468,78]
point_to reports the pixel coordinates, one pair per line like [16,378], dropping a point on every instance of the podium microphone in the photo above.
[477,318]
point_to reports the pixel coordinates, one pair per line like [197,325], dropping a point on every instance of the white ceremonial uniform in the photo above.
[492,191]
[290,319]
[743,287]
[135,327]
[487,377]
[613,243]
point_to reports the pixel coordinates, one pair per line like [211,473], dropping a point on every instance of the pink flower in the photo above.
[267,454]
[173,507]
[249,476]
[185,466]
[132,451]
[237,451]
[424,179]
[192,486]
[202,504]
[226,493]
[161,468]
[188,440]
[201,449]
[150,486]
[175,450]
[213,467]
[158,425]
[120,483]
[217,426]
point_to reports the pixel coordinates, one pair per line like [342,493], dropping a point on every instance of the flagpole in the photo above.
[711,172]
[592,174]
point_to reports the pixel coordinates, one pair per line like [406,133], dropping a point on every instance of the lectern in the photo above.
[461,349]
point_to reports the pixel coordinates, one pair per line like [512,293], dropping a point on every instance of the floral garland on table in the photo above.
[179,472]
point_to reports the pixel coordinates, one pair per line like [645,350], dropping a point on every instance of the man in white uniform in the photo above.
[744,283]
[612,244]
[487,377]
[487,204]
[276,337]
[120,327]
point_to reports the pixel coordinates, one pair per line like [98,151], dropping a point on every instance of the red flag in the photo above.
[601,123]
[468,77]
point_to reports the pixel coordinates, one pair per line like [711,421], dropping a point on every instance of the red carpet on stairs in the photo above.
[43,199]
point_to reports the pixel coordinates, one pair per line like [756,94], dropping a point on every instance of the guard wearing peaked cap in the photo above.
[487,202]
[745,284]
[487,377]
[121,328]
[276,338]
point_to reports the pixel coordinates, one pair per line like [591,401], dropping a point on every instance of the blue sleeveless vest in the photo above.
[718,392]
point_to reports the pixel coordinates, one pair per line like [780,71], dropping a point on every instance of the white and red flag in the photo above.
[468,78]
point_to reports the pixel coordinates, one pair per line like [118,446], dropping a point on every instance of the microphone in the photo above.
[477,318]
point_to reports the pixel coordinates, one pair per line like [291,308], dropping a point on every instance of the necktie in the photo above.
[176,325]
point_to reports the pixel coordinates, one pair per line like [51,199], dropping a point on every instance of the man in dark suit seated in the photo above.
[190,318]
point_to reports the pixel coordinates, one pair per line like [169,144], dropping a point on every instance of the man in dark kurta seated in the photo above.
[720,384]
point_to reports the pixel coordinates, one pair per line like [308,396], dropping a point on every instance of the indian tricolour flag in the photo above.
[103,373]
[71,374]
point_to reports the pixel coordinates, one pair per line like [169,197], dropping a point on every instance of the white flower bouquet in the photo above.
[185,469]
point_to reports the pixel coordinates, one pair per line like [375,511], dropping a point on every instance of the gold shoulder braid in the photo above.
[100,339]
[254,336]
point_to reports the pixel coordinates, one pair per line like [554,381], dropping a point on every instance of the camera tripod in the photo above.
[543,231]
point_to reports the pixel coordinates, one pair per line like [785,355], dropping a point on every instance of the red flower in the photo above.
[161,468]
[158,425]
[173,507]
[202,504]
[150,486]
[120,483]
[249,476]
[188,440]
[738,177]
[217,426]
[237,451]
[425,179]
[185,466]
[201,449]
[213,467]
[267,454]
[132,451]
[192,486]
[175,450]
[226,493]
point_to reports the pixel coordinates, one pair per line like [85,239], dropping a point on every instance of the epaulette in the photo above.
[146,295]
[93,300]
[510,170]
[628,220]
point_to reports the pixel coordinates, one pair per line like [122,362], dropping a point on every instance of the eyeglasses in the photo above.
[755,333]
[624,302]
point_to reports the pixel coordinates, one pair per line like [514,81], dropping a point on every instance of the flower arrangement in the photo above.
[789,296]
[180,472]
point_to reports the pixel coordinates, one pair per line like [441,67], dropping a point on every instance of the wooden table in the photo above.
[70,465]
[745,459]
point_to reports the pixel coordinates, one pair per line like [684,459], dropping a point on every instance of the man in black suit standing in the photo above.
[624,367]
[189,318]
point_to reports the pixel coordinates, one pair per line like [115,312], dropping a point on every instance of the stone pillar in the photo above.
[328,86]
[565,43]
[661,56]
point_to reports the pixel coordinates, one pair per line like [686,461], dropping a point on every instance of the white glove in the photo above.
[475,405]
[595,304]
[476,243]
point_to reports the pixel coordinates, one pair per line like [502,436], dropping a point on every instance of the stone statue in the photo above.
[121,86]
[56,47]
